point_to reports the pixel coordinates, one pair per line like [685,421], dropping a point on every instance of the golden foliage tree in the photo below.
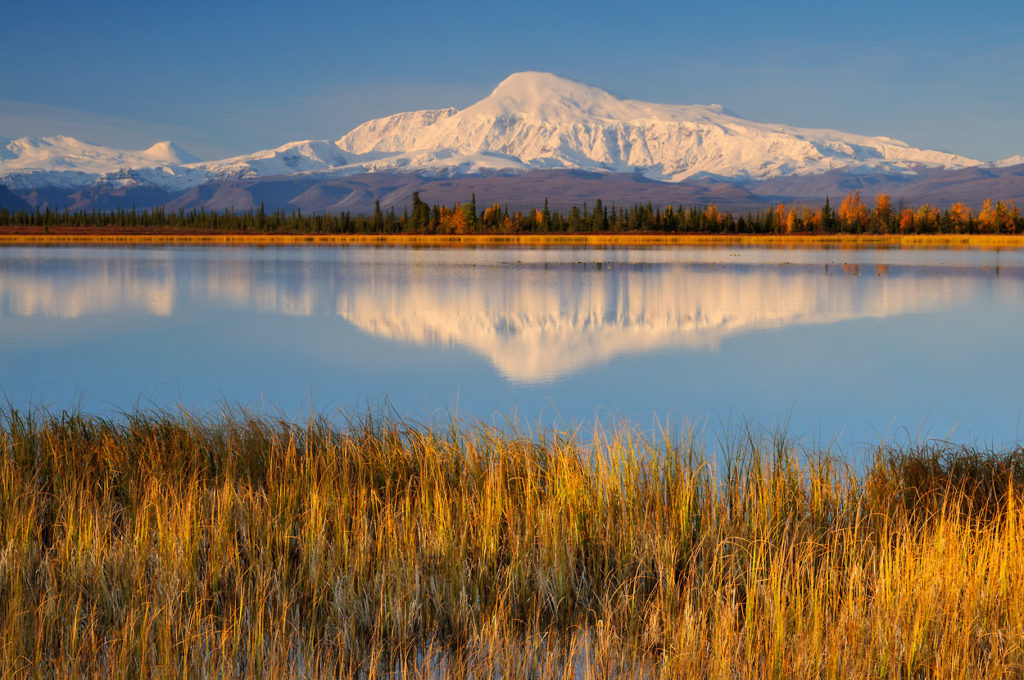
[791,221]
[811,218]
[999,218]
[960,216]
[491,217]
[907,220]
[453,221]
[780,216]
[852,210]
[927,218]
[883,211]
[987,217]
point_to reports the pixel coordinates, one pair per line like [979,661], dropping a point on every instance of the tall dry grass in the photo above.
[172,546]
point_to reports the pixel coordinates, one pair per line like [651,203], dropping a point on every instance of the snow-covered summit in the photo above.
[541,120]
[546,96]
[169,153]
[305,156]
[61,152]
[66,162]
[1009,162]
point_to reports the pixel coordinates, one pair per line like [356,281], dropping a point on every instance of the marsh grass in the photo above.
[98,236]
[166,545]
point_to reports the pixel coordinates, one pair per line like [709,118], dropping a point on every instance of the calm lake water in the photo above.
[840,346]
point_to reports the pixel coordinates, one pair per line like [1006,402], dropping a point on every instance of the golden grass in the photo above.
[845,241]
[170,546]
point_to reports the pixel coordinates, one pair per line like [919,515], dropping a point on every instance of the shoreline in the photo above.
[13,236]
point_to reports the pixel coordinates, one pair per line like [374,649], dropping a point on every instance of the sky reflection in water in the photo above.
[846,345]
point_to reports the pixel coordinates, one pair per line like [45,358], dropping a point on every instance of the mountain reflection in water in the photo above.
[537,316]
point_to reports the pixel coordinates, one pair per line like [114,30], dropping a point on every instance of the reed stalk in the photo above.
[170,545]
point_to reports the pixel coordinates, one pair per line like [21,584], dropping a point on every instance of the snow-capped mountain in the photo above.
[291,158]
[540,120]
[1009,162]
[66,162]
[532,122]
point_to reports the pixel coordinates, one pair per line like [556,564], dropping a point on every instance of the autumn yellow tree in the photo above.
[491,217]
[780,217]
[453,221]
[883,211]
[926,219]
[844,207]
[811,218]
[852,211]
[907,220]
[960,216]
[791,221]
[513,223]
[1005,218]
[987,217]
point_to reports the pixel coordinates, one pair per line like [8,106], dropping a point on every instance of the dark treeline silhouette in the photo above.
[852,216]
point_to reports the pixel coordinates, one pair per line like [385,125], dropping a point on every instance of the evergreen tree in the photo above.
[828,220]
[420,220]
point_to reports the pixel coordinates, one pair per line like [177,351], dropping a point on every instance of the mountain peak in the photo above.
[169,152]
[545,94]
[1017,159]
[532,83]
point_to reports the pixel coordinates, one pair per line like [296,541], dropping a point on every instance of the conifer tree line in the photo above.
[852,216]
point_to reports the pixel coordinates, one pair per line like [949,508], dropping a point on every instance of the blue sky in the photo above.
[229,77]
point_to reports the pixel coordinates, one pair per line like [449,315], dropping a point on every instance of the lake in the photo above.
[843,346]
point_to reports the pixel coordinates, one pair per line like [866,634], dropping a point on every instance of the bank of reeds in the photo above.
[172,546]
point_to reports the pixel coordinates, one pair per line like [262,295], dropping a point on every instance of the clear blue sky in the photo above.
[226,77]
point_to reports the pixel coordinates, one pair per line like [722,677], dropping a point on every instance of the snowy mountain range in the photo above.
[530,122]
[539,120]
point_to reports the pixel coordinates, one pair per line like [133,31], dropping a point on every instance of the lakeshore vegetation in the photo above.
[852,216]
[174,545]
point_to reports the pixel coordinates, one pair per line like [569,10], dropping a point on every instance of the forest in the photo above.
[852,216]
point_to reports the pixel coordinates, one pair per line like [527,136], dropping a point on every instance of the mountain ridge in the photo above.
[531,121]
[543,121]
